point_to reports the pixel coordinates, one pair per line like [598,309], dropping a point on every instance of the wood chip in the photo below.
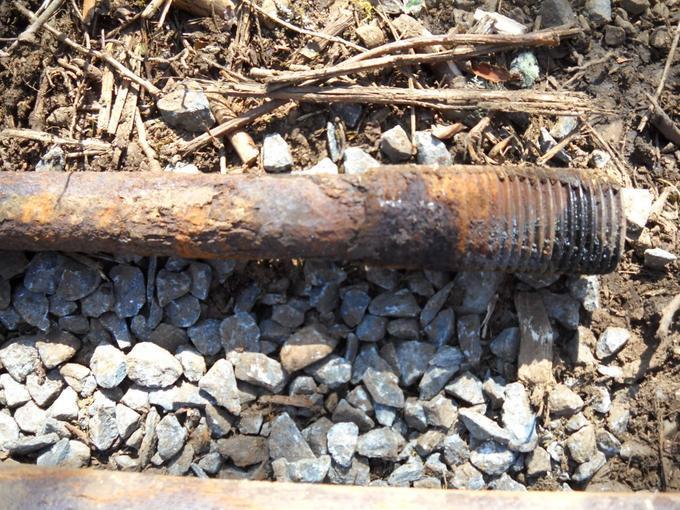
[534,363]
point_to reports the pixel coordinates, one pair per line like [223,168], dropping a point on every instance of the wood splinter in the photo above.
[242,142]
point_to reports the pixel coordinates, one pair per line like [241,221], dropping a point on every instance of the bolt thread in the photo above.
[561,223]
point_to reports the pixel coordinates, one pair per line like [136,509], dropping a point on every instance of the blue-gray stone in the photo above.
[12,263]
[240,333]
[44,272]
[129,290]
[441,329]
[206,337]
[354,305]
[171,286]
[32,307]
[394,304]
[99,302]
[59,306]
[77,281]
[201,277]
[371,328]
[183,312]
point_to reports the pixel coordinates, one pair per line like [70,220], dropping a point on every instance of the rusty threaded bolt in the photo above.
[544,223]
[454,218]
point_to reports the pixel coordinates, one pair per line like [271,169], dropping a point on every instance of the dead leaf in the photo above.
[490,72]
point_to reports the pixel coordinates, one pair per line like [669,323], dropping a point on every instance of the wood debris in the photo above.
[534,363]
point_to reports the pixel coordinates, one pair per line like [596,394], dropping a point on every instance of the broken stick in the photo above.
[528,101]
[664,77]
[120,68]
[37,22]
[88,144]
[241,141]
[221,8]
[464,46]
[230,126]
[662,121]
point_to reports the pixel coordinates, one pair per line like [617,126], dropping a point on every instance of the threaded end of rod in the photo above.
[551,224]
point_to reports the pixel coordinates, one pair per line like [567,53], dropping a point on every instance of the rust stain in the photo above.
[107,217]
[462,217]
[453,190]
[186,247]
[38,208]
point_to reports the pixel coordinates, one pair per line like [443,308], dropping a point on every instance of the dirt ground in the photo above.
[44,87]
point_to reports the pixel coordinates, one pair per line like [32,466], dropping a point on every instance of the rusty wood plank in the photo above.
[29,487]
[461,217]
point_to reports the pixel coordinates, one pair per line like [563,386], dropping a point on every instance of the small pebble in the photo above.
[611,341]
[599,12]
[526,65]
[323,167]
[276,156]
[240,333]
[357,161]
[431,150]
[342,441]
[371,35]
[350,113]
[152,366]
[187,108]
[637,206]
[657,258]
[395,144]
[32,307]
[563,401]
[129,290]
[171,436]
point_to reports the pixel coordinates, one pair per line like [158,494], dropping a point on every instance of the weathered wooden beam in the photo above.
[461,217]
[28,487]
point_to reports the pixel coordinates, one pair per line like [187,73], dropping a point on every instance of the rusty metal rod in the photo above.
[461,217]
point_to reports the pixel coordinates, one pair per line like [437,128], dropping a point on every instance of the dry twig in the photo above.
[288,400]
[230,126]
[550,37]
[36,23]
[552,152]
[466,46]
[664,77]
[335,27]
[241,141]
[604,145]
[149,152]
[663,122]
[529,101]
[40,136]
[112,62]
[290,26]
[659,443]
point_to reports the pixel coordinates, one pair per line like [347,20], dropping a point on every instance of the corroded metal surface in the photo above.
[461,217]
[29,487]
